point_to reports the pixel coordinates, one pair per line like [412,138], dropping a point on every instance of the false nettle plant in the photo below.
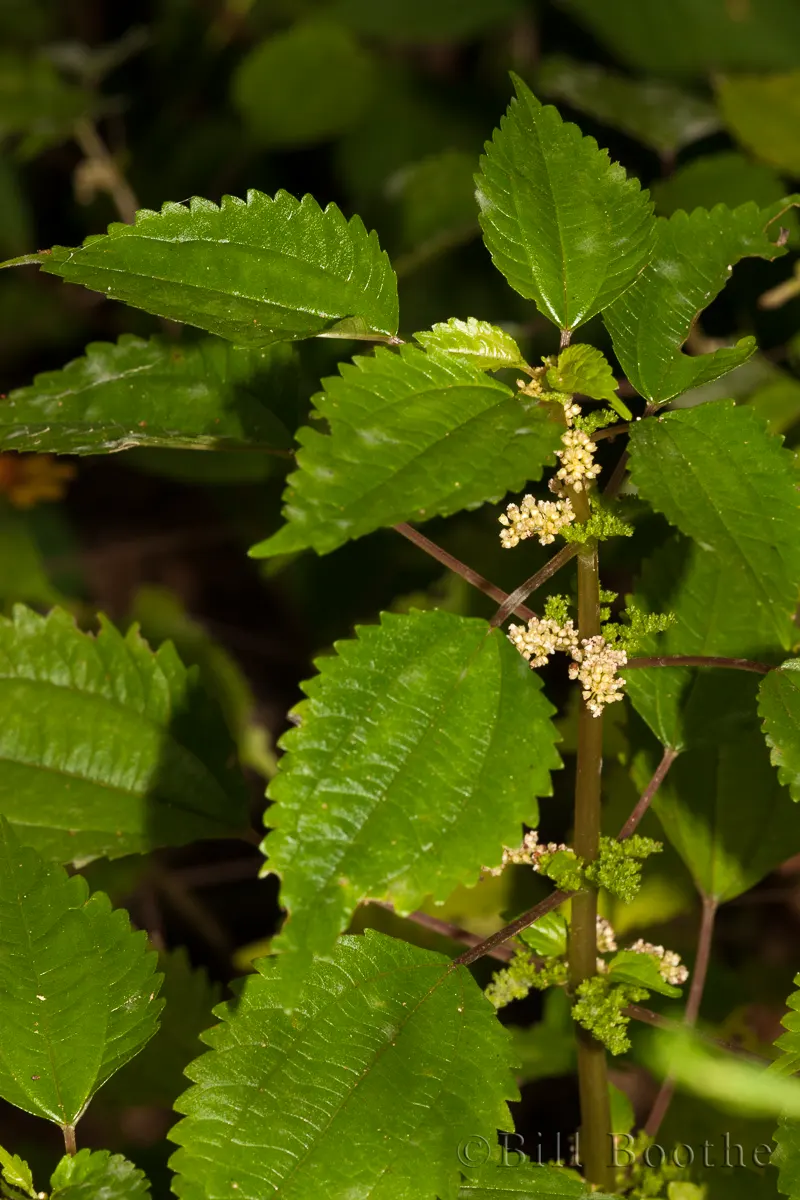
[363,1065]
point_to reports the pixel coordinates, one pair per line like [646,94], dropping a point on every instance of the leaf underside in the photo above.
[307,1105]
[204,395]
[255,271]
[692,261]
[151,765]
[77,986]
[412,436]
[420,752]
[565,226]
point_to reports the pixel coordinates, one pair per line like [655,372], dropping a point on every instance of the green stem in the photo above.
[592,1072]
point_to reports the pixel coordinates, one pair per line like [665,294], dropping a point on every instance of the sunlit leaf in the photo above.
[77,986]
[255,271]
[478,342]
[420,752]
[307,1104]
[563,223]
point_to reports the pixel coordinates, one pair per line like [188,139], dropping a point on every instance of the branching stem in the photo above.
[520,594]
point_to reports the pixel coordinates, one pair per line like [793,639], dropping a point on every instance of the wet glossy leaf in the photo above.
[563,223]
[16,1172]
[77,986]
[694,256]
[151,766]
[479,342]
[420,752]
[628,966]
[412,436]
[583,369]
[205,395]
[309,1103]
[255,271]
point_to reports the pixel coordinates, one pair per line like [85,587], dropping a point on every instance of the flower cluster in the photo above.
[528,854]
[542,637]
[606,941]
[578,467]
[670,966]
[535,518]
[595,667]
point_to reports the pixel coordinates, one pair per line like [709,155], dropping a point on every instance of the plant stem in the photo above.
[702,958]
[69,1139]
[592,1072]
[460,568]
[115,183]
[508,931]
[700,660]
[524,590]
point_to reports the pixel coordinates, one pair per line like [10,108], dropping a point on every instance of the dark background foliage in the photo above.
[381,106]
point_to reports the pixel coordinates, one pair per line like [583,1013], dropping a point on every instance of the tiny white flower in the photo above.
[578,467]
[541,638]
[595,667]
[542,519]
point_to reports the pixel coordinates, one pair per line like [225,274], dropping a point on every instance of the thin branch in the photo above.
[617,476]
[700,660]
[508,931]
[694,1000]
[448,930]
[113,180]
[520,594]
[460,568]
[611,431]
[646,798]
[69,1139]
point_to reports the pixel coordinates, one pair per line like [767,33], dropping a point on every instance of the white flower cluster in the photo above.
[528,854]
[541,638]
[606,939]
[670,966]
[578,467]
[535,518]
[595,667]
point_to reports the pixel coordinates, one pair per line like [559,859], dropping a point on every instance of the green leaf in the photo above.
[657,114]
[412,436]
[695,36]
[23,573]
[730,1083]
[789,1042]
[98,1175]
[583,369]
[35,101]
[723,480]
[628,966]
[156,1077]
[296,1104]
[526,1180]
[78,986]
[255,271]
[547,1049]
[564,225]
[205,395]
[424,20]
[486,346]
[787,1135]
[716,613]
[305,85]
[105,747]
[16,1172]
[725,813]
[762,112]
[778,403]
[420,752]
[548,936]
[728,178]
[693,259]
[779,707]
